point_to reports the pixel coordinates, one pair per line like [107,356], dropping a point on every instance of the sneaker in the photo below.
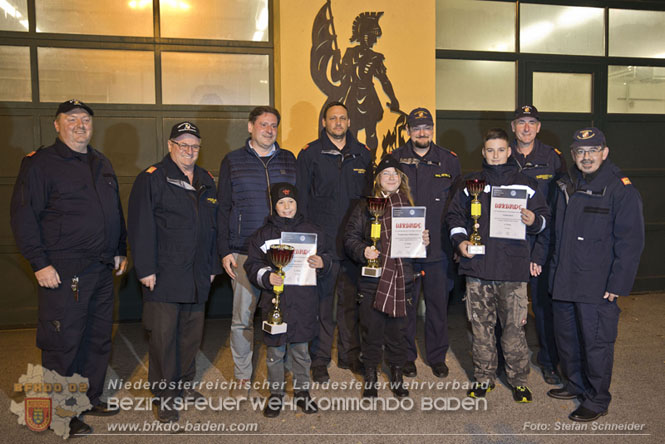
[410,370]
[273,406]
[479,390]
[305,402]
[521,393]
[320,374]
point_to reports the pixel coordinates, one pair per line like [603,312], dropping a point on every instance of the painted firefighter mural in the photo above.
[350,79]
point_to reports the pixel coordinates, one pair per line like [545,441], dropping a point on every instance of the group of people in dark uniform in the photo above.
[584,236]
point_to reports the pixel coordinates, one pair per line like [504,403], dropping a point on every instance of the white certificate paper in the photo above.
[407,227]
[505,217]
[298,272]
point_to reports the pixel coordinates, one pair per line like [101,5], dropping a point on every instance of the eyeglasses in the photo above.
[580,152]
[186,147]
[389,174]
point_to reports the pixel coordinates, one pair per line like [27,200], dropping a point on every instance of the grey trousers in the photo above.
[299,362]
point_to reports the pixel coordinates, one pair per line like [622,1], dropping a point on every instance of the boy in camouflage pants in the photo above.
[496,280]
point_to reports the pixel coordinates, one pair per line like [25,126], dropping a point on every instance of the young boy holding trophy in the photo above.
[385,284]
[289,309]
[490,214]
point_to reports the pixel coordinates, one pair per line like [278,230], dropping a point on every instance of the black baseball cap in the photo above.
[419,116]
[590,136]
[527,111]
[387,162]
[184,128]
[69,105]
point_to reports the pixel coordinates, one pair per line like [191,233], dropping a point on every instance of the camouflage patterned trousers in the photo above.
[485,300]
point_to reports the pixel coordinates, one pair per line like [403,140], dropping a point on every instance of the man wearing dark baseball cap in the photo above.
[599,239]
[432,170]
[68,223]
[545,164]
[172,229]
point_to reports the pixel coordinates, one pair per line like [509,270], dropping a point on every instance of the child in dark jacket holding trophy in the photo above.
[383,296]
[298,304]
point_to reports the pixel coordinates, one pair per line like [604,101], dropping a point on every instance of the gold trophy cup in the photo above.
[376,206]
[279,255]
[475,187]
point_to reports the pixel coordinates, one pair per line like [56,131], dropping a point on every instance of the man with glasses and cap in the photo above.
[68,223]
[172,231]
[545,164]
[599,230]
[432,170]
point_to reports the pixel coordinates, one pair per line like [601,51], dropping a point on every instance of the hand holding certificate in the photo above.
[408,224]
[299,270]
[506,218]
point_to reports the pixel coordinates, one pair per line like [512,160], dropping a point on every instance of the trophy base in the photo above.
[274,329]
[372,272]
[475,249]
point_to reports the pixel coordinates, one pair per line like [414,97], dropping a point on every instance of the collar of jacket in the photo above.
[328,147]
[251,150]
[430,156]
[596,181]
[283,223]
[65,151]
[498,174]
[521,159]
[174,172]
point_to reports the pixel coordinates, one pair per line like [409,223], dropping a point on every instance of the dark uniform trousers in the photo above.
[340,284]
[435,288]
[175,331]
[585,334]
[541,304]
[75,335]
[378,330]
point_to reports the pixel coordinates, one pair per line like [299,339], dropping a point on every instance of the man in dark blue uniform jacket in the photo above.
[546,165]
[334,171]
[432,171]
[599,239]
[68,223]
[172,232]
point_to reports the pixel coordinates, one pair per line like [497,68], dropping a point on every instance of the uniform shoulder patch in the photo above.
[31,154]
[151,169]
[557,151]
[625,181]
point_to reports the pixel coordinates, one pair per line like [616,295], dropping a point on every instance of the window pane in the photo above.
[571,30]
[637,33]
[215,19]
[215,79]
[130,17]
[96,75]
[475,25]
[636,89]
[475,85]
[562,92]
[13,15]
[15,74]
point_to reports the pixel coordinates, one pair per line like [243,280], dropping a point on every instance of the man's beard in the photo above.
[419,144]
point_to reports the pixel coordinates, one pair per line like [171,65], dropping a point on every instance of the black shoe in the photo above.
[409,370]
[583,414]
[479,390]
[191,394]
[551,376]
[440,369]
[397,382]
[320,374]
[561,393]
[273,406]
[165,413]
[102,409]
[78,427]
[370,382]
[305,402]
[356,366]
[522,393]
